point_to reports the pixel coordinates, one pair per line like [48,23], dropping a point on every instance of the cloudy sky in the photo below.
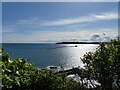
[59,21]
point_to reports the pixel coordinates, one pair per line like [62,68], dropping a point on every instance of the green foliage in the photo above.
[104,65]
[18,74]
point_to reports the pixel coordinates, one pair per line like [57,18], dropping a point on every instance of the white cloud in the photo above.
[57,36]
[67,21]
[99,37]
[106,16]
[89,18]
[95,37]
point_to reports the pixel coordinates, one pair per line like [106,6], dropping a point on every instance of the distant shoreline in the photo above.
[80,42]
[59,43]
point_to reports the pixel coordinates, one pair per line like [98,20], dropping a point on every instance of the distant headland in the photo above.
[80,42]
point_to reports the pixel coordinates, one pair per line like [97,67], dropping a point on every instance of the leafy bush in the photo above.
[18,74]
[104,65]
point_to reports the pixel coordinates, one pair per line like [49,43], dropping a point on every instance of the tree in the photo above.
[104,65]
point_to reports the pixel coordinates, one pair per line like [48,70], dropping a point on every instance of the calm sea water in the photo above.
[43,55]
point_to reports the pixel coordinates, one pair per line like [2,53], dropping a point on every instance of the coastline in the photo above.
[80,42]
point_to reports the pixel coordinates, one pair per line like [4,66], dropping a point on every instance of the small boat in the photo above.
[52,67]
[75,45]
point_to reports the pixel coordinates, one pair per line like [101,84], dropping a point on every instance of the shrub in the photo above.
[17,74]
[104,65]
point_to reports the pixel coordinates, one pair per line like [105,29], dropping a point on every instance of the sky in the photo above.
[0,23]
[59,0]
[59,21]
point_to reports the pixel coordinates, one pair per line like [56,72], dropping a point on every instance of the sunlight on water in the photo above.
[73,53]
[43,55]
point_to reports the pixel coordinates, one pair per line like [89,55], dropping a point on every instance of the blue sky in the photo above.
[1,23]
[60,0]
[59,21]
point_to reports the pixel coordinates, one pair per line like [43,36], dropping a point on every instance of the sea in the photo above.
[50,54]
